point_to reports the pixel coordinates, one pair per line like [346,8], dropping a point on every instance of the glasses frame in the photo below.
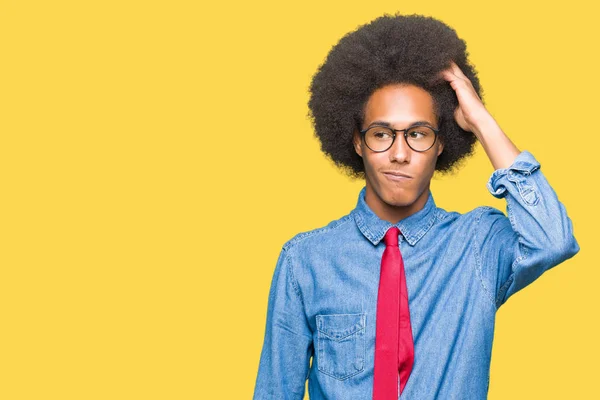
[405,134]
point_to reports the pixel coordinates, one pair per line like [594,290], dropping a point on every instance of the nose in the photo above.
[400,151]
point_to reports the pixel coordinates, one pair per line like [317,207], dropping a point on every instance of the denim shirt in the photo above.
[460,268]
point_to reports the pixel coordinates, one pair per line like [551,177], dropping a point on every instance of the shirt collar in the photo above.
[412,228]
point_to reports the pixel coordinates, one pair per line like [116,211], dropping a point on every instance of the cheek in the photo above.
[373,162]
[430,166]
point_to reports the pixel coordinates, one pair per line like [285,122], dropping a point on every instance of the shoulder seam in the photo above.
[303,235]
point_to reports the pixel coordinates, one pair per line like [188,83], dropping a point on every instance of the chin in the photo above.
[399,198]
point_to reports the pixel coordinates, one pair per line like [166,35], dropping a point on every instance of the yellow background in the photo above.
[155,156]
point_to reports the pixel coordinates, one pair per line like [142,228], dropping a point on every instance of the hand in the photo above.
[470,113]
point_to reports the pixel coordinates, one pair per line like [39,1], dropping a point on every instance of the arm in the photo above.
[287,347]
[472,116]
[537,235]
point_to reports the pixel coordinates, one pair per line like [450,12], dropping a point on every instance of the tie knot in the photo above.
[391,236]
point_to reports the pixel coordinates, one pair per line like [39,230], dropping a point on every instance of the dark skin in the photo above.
[400,105]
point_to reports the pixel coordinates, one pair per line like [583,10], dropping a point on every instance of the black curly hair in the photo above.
[410,49]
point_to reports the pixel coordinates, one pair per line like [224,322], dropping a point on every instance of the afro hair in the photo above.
[409,49]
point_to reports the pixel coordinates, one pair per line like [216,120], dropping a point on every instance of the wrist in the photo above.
[485,125]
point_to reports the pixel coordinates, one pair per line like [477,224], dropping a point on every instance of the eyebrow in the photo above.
[414,123]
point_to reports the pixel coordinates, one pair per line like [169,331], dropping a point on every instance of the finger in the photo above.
[457,71]
[441,77]
[448,75]
[456,78]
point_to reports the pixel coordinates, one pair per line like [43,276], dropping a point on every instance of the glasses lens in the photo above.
[379,138]
[420,138]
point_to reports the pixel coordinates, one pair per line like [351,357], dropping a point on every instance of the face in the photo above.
[394,198]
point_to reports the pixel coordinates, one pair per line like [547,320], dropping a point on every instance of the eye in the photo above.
[420,132]
[415,134]
[381,134]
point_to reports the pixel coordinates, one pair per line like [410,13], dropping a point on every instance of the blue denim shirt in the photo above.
[460,268]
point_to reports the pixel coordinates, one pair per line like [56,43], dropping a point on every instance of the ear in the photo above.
[356,140]
[440,148]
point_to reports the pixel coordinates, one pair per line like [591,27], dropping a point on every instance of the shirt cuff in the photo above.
[516,175]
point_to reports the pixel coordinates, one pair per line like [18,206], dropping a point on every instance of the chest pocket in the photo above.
[341,344]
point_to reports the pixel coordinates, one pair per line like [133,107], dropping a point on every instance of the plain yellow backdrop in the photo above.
[156,155]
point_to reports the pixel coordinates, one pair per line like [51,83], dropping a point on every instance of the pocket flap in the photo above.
[338,326]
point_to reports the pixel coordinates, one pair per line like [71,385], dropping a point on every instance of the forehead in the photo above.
[400,105]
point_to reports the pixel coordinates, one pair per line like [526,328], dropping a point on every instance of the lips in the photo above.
[397,174]
[397,178]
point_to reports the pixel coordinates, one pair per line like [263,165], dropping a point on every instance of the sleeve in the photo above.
[288,343]
[536,235]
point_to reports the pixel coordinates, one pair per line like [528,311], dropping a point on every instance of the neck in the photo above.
[395,209]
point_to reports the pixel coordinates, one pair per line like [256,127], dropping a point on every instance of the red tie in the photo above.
[394,349]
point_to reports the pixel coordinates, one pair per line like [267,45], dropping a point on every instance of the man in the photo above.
[399,296]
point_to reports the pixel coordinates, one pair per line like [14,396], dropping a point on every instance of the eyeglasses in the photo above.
[418,137]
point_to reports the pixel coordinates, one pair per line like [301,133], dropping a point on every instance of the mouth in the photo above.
[396,176]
